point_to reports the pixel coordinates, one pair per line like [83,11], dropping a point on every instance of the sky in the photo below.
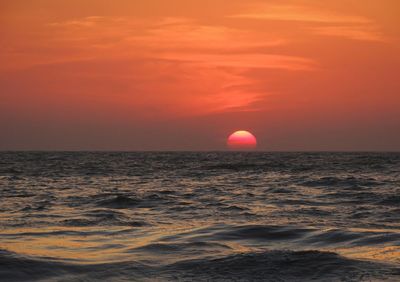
[304,75]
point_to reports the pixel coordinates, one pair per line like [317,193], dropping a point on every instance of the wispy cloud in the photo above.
[189,36]
[247,61]
[183,40]
[181,34]
[322,22]
[81,22]
[366,33]
[297,13]
[198,68]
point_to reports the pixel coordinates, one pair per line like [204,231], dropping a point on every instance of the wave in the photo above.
[189,248]
[303,237]
[18,268]
[283,265]
[393,200]
[334,181]
[121,201]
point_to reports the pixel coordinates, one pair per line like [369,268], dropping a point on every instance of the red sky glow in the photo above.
[184,74]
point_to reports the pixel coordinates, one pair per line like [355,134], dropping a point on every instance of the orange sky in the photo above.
[184,74]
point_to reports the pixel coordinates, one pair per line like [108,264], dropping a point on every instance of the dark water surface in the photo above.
[199,216]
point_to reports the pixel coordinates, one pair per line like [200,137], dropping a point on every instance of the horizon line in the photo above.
[197,151]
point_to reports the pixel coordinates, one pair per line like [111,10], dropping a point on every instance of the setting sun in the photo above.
[242,140]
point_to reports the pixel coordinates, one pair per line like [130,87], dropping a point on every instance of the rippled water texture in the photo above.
[199,216]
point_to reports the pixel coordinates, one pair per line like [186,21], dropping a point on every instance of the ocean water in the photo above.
[191,216]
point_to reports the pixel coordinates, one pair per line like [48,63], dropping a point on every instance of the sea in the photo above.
[199,216]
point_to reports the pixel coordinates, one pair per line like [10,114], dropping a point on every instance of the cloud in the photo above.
[117,37]
[266,61]
[170,66]
[323,22]
[364,33]
[297,13]
[82,22]
[185,40]
[188,35]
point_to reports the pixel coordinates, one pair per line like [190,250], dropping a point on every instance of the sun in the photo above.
[242,140]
